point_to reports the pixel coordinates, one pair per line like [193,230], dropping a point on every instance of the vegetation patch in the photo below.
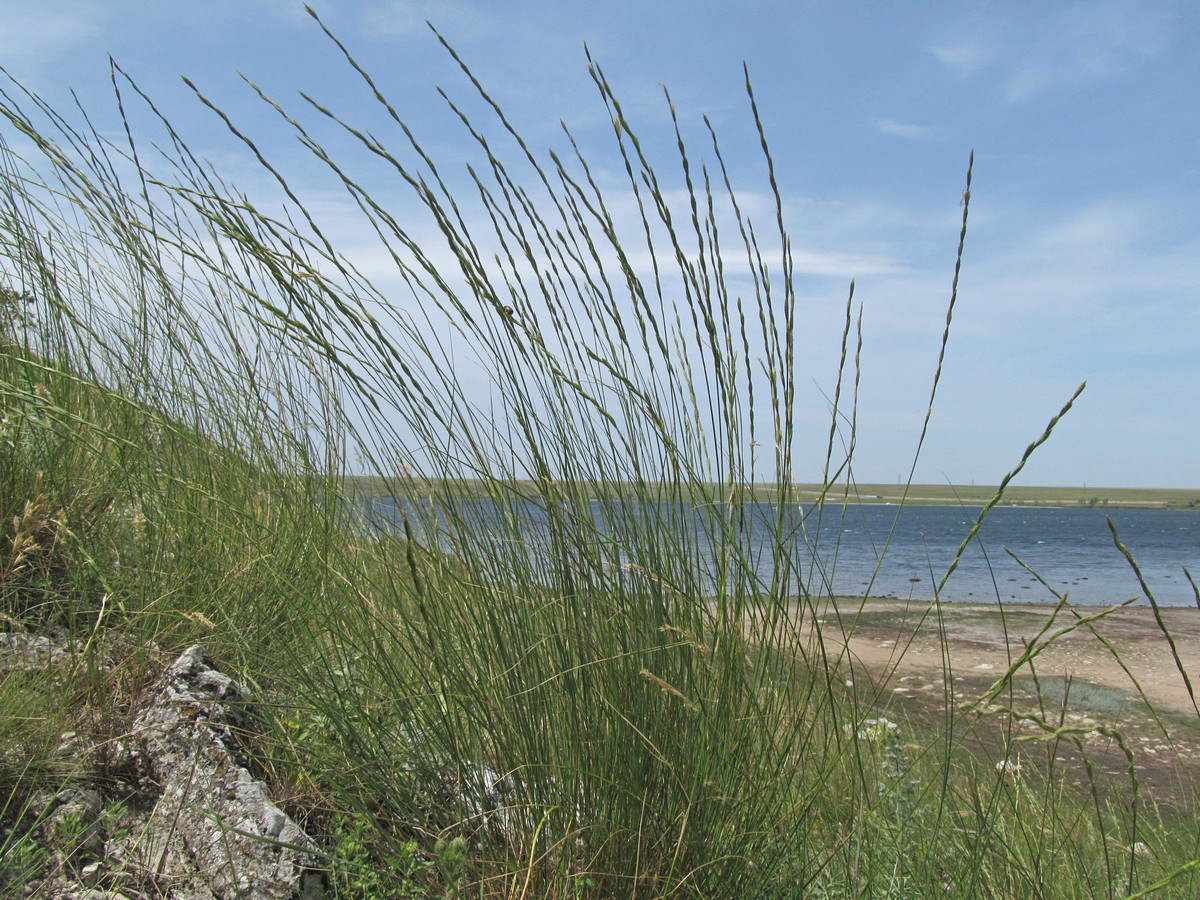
[537,652]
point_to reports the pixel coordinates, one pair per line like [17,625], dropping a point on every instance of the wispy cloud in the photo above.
[400,18]
[965,57]
[906,130]
[294,10]
[1111,274]
[34,31]
[1061,46]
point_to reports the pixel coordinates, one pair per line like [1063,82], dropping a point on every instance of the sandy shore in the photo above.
[1118,670]
[1123,649]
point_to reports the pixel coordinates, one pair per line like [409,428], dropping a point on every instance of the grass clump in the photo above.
[571,646]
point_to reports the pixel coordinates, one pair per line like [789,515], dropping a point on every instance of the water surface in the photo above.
[904,552]
[1072,549]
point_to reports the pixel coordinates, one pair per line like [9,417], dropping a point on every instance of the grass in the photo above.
[546,685]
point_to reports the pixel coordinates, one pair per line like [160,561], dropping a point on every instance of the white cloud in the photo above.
[1062,46]
[843,265]
[906,130]
[294,10]
[38,40]
[1110,275]
[401,18]
[35,31]
[965,57]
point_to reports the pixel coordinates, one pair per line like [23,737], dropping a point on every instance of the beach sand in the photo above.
[985,639]
[1119,671]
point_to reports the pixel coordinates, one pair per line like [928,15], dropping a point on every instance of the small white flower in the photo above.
[1009,767]
[877,731]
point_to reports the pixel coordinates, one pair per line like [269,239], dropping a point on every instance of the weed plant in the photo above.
[571,646]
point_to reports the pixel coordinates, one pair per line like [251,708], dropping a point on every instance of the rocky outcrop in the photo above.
[32,652]
[214,822]
[199,825]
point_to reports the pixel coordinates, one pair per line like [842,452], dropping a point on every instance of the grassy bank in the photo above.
[609,708]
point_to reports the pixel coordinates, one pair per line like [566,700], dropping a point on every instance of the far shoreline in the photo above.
[360,486]
[847,605]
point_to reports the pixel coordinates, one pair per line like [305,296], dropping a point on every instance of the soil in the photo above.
[1096,669]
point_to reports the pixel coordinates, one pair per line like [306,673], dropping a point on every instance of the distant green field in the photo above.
[922,494]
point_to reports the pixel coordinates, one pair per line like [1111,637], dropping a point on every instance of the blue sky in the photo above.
[1083,253]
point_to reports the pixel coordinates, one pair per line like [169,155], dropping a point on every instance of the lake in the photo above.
[1071,548]
[847,549]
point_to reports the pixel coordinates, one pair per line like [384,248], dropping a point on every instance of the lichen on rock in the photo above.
[213,817]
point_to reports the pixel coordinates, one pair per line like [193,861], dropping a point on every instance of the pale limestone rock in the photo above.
[32,652]
[213,833]
[214,823]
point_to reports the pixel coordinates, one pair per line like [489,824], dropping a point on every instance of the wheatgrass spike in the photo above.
[1045,436]
[1061,596]
[408,666]
[1158,619]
